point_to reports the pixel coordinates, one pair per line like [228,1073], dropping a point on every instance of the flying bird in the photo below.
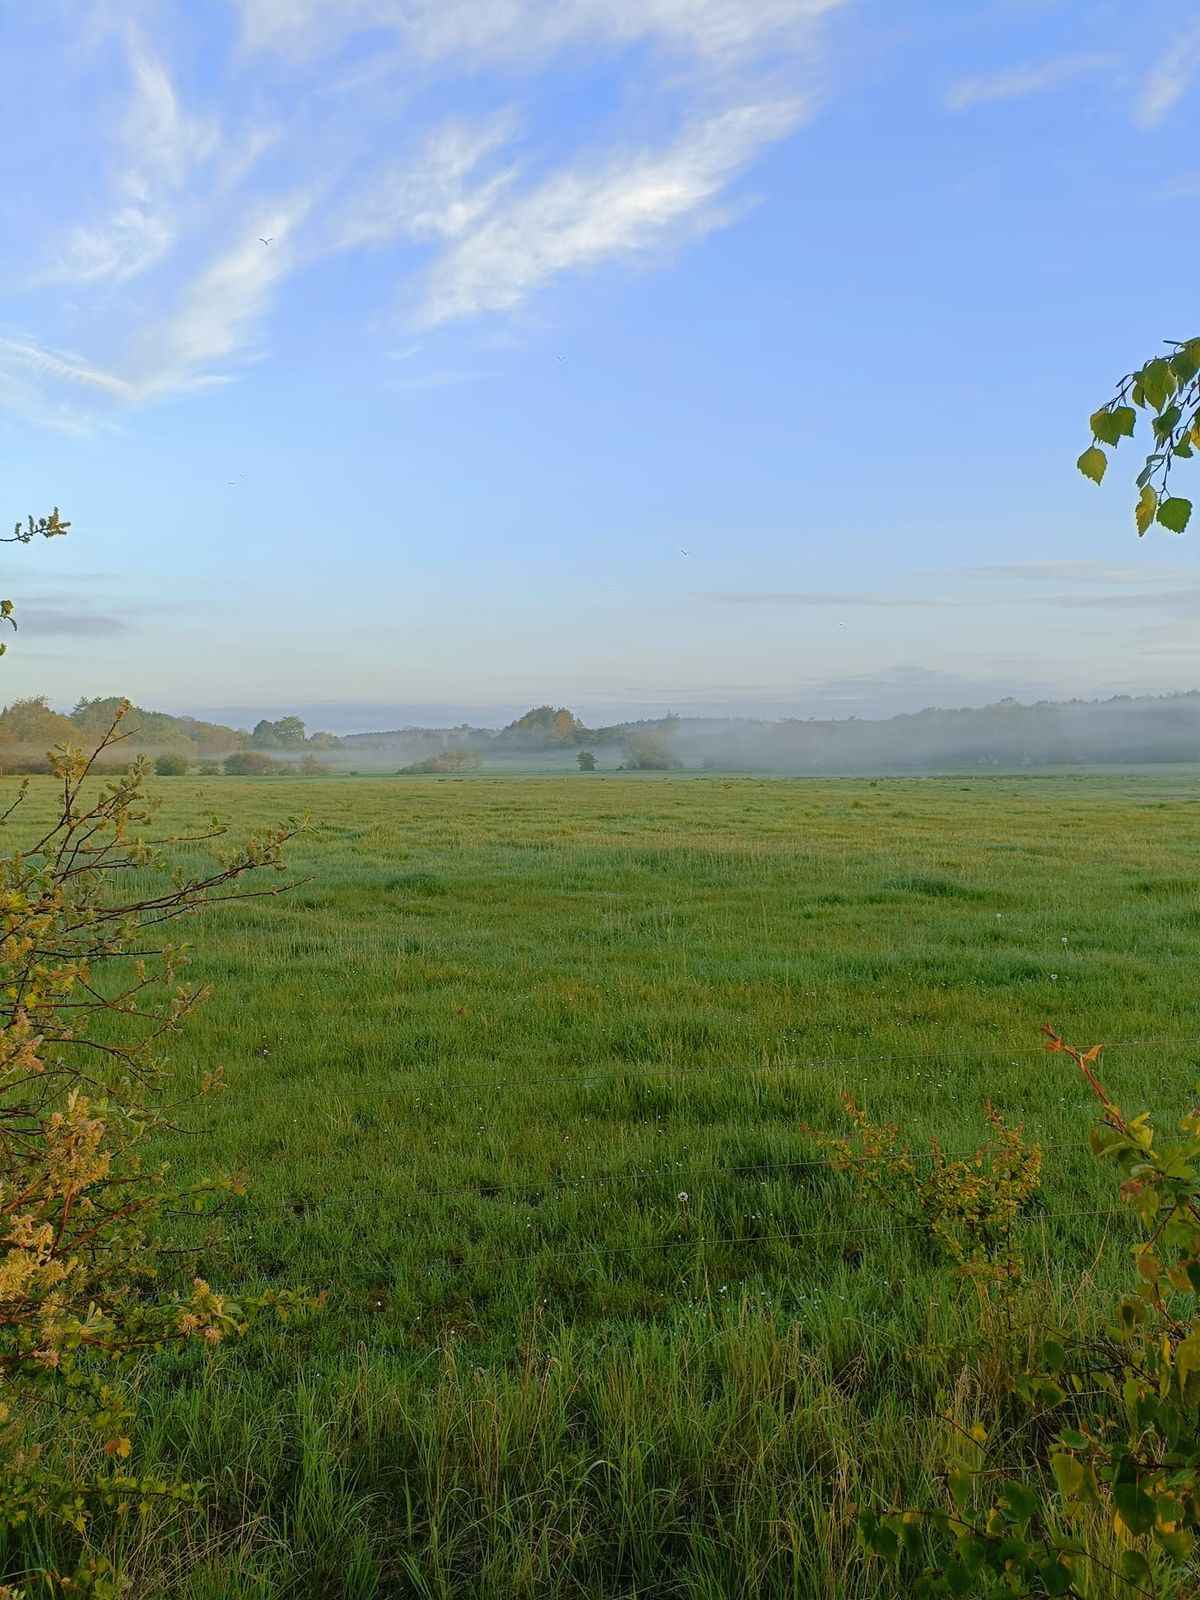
[560,358]
[261,240]
[683,552]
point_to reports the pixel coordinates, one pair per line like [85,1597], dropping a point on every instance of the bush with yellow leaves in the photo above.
[90,992]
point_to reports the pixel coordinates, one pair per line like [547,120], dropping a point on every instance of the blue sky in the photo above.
[820,292]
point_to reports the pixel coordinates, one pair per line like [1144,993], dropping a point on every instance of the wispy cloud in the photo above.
[1016,82]
[1090,573]
[479,213]
[1098,588]
[428,194]
[214,317]
[1162,600]
[713,29]
[1169,79]
[578,217]
[217,312]
[67,368]
[42,621]
[160,146]
[771,597]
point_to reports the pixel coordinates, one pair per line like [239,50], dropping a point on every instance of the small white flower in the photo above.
[682,1197]
[1054,977]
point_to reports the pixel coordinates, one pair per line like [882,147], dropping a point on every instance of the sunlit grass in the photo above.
[498,1030]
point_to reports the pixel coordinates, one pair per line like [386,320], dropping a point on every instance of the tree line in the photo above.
[29,727]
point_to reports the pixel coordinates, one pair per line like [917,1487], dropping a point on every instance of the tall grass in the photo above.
[477,1057]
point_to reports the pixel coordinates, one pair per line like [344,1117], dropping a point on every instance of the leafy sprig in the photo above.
[1167,389]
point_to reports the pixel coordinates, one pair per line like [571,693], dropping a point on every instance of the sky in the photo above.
[422,360]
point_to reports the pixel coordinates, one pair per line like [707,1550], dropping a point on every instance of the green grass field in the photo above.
[477,1056]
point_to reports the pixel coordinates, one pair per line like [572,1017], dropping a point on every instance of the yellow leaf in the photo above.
[1143,512]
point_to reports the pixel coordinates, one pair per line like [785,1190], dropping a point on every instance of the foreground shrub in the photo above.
[969,1206]
[1088,1481]
[89,994]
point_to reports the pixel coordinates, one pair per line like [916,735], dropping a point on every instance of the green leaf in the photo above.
[1136,1507]
[1068,1472]
[1053,1354]
[1158,382]
[961,1483]
[1184,364]
[1020,1501]
[1143,512]
[972,1552]
[1164,424]
[957,1579]
[1103,426]
[877,1537]
[1124,418]
[1174,514]
[1093,463]
[1135,1567]
[1054,1575]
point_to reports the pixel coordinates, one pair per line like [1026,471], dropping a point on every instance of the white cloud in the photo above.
[1110,574]
[1016,82]
[168,141]
[713,29]
[67,368]
[494,230]
[216,313]
[785,597]
[577,218]
[126,245]
[213,319]
[427,196]
[162,147]
[1168,80]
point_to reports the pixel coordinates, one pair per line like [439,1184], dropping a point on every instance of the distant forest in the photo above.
[1124,730]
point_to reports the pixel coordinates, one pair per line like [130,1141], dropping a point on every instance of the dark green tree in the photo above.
[290,733]
[264,736]
[286,734]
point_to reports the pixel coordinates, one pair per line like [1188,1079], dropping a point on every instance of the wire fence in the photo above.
[533,1192]
[548,1253]
[589,1077]
[526,1189]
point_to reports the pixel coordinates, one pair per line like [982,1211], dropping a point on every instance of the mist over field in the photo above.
[1120,731]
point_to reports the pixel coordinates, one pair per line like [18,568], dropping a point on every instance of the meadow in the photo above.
[523,1072]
